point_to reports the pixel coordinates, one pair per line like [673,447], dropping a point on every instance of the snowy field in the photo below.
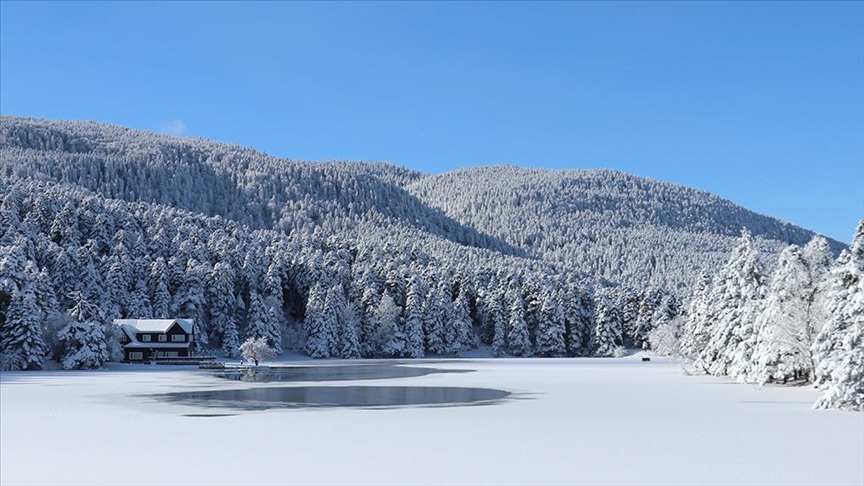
[569,421]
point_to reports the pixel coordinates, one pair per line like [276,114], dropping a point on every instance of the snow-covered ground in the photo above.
[570,421]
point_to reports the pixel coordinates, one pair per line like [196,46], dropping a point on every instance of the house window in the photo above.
[171,354]
[180,338]
[136,356]
[163,338]
[145,338]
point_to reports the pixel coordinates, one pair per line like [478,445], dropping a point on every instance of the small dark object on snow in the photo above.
[646,359]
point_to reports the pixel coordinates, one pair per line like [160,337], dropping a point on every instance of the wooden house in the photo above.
[148,339]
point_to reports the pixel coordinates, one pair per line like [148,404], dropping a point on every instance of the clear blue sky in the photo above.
[761,103]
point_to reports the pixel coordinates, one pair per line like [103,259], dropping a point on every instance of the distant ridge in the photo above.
[614,225]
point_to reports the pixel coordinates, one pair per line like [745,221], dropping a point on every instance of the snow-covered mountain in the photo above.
[339,258]
[217,179]
[623,227]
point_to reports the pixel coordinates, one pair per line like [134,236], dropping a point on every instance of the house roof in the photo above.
[154,325]
[157,345]
[131,327]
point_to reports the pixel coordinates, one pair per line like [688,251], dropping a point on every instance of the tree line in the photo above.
[802,325]
[71,262]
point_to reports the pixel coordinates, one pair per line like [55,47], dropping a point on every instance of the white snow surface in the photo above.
[572,421]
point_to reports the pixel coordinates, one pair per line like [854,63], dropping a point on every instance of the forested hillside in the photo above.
[625,228]
[342,259]
[213,179]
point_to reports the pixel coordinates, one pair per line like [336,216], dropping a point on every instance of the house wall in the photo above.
[150,354]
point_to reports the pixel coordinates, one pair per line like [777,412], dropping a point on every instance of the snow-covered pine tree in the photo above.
[349,343]
[317,326]
[666,311]
[550,333]
[698,320]
[845,308]
[532,289]
[368,323]
[417,290]
[665,337]
[607,335]
[22,329]
[645,317]
[389,338]
[518,341]
[223,323]
[437,311]
[841,353]
[261,321]
[345,344]
[782,351]
[160,295]
[495,315]
[190,302]
[846,388]
[736,296]
[138,304]
[116,288]
[83,339]
[630,318]
[579,319]
[819,259]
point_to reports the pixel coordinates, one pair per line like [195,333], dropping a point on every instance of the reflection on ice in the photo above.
[328,373]
[335,396]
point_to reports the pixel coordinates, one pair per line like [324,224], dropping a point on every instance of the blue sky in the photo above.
[761,103]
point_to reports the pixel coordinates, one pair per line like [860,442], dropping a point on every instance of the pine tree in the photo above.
[389,338]
[645,318]
[190,302]
[846,389]
[316,325]
[840,345]
[138,304]
[458,332]
[579,318]
[437,311]
[607,335]
[736,299]
[782,351]
[22,331]
[116,288]
[85,345]
[349,344]
[336,309]
[699,319]
[161,297]
[664,314]
[260,321]
[550,334]
[496,318]
[844,307]
[223,322]
[368,323]
[630,320]
[414,318]
[819,259]
[518,341]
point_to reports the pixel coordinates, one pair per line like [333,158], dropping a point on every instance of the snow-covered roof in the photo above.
[133,326]
[154,325]
[157,345]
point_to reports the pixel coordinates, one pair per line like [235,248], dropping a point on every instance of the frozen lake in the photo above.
[543,421]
